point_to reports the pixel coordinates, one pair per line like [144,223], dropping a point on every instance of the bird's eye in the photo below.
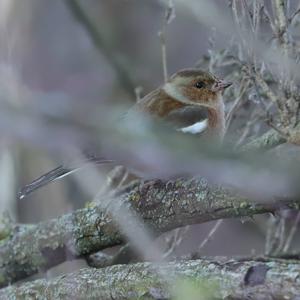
[199,84]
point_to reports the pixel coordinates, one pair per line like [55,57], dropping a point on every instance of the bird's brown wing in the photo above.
[178,116]
[158,103]
[148,99]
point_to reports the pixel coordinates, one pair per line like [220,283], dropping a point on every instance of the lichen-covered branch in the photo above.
[272,139]
[214,279]
[267,141]
[162,205]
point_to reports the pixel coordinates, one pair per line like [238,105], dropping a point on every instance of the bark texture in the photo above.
[209,279]
[162,205]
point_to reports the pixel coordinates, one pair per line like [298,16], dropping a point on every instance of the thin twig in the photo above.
[281,20]
[269,19]
[246,131]
[280,237]
[176,240]
[210,235]
[249,16]
[162,37]
[270,123]
[169,16]
[291,234]
[243,88]
[265,88]
[271,228]
[138,93]
[238,22]
[293,16]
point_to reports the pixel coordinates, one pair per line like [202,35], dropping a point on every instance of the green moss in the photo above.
[244,204]
[6,226]
[178,183]
[193,290]
[135,197]
[3,279]
[90,204]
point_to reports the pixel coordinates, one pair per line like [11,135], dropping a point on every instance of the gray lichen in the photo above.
[163,205]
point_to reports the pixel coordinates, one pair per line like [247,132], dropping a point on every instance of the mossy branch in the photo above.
[162,205]
[209,278]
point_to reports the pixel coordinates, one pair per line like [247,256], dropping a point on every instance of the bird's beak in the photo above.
[221,85]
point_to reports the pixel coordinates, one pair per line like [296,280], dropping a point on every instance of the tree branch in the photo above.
[267,141]
[215,279]
[162,205]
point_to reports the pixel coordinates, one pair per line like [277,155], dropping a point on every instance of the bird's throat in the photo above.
[216,120]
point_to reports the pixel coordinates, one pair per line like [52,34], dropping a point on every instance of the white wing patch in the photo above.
[195,128]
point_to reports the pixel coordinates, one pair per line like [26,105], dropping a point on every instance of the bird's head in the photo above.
[194,86]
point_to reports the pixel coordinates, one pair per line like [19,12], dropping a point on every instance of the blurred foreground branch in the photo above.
[244,280]
[162,205]
[113,58]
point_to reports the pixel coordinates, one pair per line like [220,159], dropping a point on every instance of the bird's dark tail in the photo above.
[56,174]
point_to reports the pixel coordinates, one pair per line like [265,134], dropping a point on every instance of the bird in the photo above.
[176,101]
[182,93]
